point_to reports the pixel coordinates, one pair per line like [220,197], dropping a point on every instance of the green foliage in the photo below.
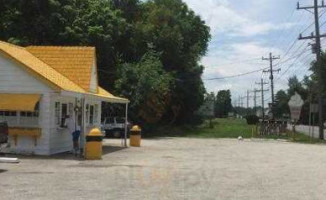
[150,88]
[223,103]
[123,31]
[252,119]
[223,128]
[281,107]
[169,27]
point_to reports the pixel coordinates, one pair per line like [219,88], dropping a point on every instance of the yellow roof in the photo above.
[107,95]
[65,68]
[39,68]
[73,62]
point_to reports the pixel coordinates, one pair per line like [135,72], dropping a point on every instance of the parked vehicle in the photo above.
[3,132]
[114,126]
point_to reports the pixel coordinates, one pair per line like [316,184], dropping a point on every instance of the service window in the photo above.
[87,113]
[71,109]
[57,113]
[91,114]
[64,113]
[95,113]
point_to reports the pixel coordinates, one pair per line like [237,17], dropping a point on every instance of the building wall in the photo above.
[61,138]
[53,139]
[26,144]
[14,79]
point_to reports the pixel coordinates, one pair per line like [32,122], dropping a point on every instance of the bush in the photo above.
[252,119]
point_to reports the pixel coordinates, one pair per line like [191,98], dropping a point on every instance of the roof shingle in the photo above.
[73,62]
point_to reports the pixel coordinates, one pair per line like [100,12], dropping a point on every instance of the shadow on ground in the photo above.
[66,155]
[111,149]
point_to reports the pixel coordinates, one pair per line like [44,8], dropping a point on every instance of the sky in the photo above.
[245,31]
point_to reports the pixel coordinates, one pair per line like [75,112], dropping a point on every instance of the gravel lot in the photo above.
[174,168]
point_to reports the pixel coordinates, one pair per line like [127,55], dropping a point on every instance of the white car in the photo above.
[114,126]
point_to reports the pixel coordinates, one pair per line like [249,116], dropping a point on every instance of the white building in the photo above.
[40,86]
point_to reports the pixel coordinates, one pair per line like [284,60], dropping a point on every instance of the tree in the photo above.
[296,86]
[169,27]
[281,107]
[223,103]
[148,85]
[123,32]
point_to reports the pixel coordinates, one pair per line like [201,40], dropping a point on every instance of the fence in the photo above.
[271,127]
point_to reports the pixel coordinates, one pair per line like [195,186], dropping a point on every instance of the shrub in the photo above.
[252,119]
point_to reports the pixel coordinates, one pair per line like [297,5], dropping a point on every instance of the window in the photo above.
[71,109]
[8,113]
[64,113]
[31,114]
[87,113]
[95,113]
[57,113]
[91,115]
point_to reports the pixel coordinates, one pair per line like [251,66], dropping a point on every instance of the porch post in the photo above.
[126,123]
[83,126]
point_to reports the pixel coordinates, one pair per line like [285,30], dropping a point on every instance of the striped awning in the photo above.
[18,102]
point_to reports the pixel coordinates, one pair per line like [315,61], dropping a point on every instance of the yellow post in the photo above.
[135,136]
[93,148]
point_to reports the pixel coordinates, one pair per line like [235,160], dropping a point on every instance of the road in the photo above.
[174,168]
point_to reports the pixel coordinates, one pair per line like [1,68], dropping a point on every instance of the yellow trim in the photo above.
[30,132]
[18,102]
[38,67]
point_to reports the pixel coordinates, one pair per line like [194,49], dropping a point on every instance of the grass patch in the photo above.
[223,128]
[299,138]
[226,128]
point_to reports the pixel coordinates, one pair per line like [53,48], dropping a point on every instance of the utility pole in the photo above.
[239,102]
[271,77]
[247,99]
[262,83]
[317,49]
[255,99]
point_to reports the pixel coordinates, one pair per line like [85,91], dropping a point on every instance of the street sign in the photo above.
[295,105]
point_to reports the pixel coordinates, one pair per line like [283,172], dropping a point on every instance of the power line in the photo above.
[304,50]
[317,37]
[235,76]
[236,62]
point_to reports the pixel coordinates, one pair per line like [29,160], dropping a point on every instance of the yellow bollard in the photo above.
[135,136]
[93,148]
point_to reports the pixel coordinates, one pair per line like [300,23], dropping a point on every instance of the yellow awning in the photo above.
[18,102]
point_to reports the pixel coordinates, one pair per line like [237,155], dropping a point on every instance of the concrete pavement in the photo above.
[175,168]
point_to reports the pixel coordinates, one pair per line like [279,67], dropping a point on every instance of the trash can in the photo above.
[135,136]
[93,148]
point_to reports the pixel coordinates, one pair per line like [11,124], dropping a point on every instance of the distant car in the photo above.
[3,132]
[3,136]
[114,127]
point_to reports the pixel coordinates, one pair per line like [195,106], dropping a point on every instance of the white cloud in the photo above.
[223,19]
[242,32]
